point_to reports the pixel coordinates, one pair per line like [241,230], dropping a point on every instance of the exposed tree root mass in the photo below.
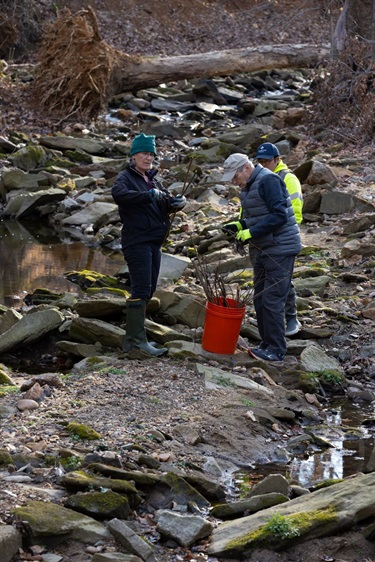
[75,65]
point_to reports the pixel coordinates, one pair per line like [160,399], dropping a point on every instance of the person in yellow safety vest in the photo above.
[268,156]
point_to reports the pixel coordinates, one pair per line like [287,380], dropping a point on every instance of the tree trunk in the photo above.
[78,72]
[340,33]
[133,75]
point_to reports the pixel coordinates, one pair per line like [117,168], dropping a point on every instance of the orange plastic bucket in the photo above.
[222,326]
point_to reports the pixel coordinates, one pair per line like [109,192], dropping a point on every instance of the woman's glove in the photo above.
[157,194]
[177,203]
[233,227]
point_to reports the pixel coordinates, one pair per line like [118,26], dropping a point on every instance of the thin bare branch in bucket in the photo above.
[218,287]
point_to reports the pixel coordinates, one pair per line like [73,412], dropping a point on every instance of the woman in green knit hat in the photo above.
[144,207]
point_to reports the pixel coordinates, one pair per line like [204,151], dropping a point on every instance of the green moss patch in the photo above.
[280,531]
[5,458]
[82,431]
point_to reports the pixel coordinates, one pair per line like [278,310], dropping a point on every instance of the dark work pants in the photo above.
[272,279]
[144,265]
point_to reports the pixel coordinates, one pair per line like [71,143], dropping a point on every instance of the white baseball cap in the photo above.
[232,164]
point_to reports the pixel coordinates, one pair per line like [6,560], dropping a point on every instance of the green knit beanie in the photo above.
[143,143]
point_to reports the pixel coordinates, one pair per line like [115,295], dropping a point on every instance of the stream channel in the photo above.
[35,257]
[350,431]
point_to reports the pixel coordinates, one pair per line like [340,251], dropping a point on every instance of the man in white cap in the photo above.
[268,224]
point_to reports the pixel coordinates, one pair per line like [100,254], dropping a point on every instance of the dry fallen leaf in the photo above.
[249,414]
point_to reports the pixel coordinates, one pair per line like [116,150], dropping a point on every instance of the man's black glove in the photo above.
[177,203]
[157,194]
[231,228]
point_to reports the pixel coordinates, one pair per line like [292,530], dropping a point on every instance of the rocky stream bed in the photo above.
[107,459]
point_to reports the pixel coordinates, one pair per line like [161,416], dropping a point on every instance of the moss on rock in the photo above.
[308,383]
[82,431]
[86,278]
[5,379]
[280,531]
[81,480]
[52,521]
[328,483]
[58,163]
[5,458]
[100,505]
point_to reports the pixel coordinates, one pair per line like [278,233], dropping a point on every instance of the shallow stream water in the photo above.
[33,257]
[348,428]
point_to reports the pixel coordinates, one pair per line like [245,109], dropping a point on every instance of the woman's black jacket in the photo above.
[143,219]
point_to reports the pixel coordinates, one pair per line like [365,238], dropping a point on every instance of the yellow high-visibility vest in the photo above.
[294,188]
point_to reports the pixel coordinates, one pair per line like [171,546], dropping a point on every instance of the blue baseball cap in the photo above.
[267,151]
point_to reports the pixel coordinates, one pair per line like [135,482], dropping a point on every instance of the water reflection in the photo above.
[349,428]
[33,256]
[351,442]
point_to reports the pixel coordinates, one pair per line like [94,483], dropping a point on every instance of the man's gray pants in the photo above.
[272,279]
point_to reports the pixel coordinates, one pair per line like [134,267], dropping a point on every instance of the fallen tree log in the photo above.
[78,72]
[150,71]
